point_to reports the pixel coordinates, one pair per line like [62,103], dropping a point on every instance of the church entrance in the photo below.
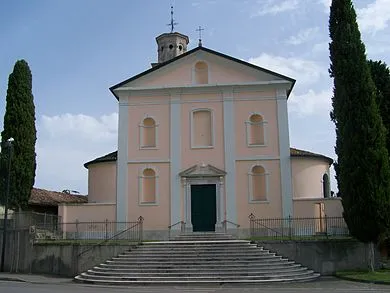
[203,207]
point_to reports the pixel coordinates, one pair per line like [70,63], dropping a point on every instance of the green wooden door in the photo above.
[203,207]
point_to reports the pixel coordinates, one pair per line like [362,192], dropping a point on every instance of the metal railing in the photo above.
[48,226]
[119,236]
[182,227]
[298,228]
[25,219]
[107,230]
[225,222]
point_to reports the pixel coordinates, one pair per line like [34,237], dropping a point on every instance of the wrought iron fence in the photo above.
[298,228]
[106,230]
[48,226]
[26,219]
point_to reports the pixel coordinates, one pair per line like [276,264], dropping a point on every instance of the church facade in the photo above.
[203,140]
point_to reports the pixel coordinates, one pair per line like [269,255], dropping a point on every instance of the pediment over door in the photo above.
[202,170]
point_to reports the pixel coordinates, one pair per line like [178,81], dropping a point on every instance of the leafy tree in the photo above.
[380,74]
[362,169]
[19,123]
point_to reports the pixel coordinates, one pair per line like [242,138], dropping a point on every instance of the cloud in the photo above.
[374,17]
[81,126]
[65,142]
[302,36]
[311,103]
[326,4]
[304,71]
[321,47]
[275,7]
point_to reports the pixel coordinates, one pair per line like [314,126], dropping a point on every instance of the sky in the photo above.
[77,49]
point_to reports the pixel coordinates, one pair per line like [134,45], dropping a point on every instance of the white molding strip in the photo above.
[284,153]
[122,168]
[175,154]
[258,158]
[148,161]
[230,153]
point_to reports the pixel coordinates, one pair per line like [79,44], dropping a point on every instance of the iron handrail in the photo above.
[173,225]
[139,223]
[230,222]
[252,219]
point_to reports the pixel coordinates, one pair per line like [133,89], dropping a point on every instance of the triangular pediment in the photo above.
[202,170]
[223,69]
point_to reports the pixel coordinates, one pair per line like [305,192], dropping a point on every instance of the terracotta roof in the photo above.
[301,153]
[54,198]
[112,157]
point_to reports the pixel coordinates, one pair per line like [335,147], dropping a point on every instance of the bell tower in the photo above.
[171,45]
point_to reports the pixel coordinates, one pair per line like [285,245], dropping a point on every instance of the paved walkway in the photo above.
[34,279]
[29,283]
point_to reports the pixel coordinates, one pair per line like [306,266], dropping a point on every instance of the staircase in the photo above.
[203,258]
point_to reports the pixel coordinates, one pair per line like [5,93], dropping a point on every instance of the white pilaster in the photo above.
[175,157]
[122,169]
[284,150]
[230,152]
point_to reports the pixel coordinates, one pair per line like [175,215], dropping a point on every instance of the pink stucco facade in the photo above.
[102,183]
[308,177]
[182,126]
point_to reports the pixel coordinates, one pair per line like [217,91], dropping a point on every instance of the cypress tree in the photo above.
[19,123]
[362,168]
[380,74]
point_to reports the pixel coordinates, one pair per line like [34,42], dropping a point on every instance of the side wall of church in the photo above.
[308,177]
[102,182]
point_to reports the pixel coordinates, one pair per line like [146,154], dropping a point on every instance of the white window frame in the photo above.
[212,128]
[141,134]
[250,185]
[248,125]
[141,185]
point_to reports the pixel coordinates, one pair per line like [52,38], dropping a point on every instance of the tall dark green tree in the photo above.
[380,74]
[362,168]
[19,123]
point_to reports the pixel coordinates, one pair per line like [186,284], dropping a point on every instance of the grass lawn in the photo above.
[382,276]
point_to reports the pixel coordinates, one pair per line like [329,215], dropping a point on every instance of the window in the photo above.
[325,186]
[255,132]
[148,186]
[202,128]
[201,73]
[148,133]
[258,184]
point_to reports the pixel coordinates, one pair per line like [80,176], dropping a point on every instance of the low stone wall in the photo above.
[70,260]
[324,257]
[58,258]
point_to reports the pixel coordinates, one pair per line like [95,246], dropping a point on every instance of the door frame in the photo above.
[219,197]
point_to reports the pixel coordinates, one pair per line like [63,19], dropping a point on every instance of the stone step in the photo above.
[192,276]
[151,269]
[197,258]
[197,247]
[195,261]
[291,272]
[185,281]
[241,271]
[204,258]
[195,254]
[197,267]
[214,265]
